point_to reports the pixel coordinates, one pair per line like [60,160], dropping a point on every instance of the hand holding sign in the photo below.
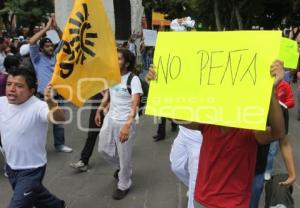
[277,72]
[151,75]
[204,79]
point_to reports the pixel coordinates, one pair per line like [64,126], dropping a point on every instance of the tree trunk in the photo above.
[217,15]
[237,9]
[239,18]
[11,22]
[5,21]
[231,22]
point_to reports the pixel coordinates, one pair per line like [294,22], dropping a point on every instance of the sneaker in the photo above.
[120,194]
[81,166]
[116,174]
[63,148]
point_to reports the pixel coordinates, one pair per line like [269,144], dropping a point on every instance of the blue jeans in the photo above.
[59,135]
[274,146]
[29,190]
[287,76]
[257,188]
[58,129]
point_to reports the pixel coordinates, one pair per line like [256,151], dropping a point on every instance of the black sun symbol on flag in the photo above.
[81,44]
[81,40]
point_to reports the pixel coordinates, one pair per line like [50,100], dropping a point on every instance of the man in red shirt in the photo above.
[228,156]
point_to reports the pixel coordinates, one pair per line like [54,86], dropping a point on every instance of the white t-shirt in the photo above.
[120,99]
[23,131]
[190,134]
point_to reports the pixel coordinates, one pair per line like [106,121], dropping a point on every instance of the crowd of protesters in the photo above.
[221,166]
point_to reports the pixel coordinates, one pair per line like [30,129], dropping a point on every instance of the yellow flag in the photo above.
[87,62]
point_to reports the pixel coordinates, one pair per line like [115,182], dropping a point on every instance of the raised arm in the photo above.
[33,40]
[55,27]
[275,117]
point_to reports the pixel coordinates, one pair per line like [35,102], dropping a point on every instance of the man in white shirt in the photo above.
[119,126]
[23,126]
[185,153]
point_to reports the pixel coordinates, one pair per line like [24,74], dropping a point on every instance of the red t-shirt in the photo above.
[284,93]
[226,167]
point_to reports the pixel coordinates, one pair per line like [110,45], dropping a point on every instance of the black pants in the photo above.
[93,131]
[161,130]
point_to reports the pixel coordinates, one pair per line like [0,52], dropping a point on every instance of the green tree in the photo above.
[28,12]
[10,10]
[230,14]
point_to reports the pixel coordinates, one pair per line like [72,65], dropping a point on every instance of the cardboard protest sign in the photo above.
[220,78]
[289,53]
[150,37]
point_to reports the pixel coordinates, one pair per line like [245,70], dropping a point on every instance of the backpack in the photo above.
[143,98]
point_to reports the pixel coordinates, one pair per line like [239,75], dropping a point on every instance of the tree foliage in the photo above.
[231,14]
[28,12]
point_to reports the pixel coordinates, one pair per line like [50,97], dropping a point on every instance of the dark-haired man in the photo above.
[11,61]
[43,59]
[119,126]
[23,126]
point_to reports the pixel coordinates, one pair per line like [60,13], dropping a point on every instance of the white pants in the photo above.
[116,153]
[184,159]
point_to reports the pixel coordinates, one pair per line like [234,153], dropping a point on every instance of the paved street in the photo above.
[154,186]
[153,183]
